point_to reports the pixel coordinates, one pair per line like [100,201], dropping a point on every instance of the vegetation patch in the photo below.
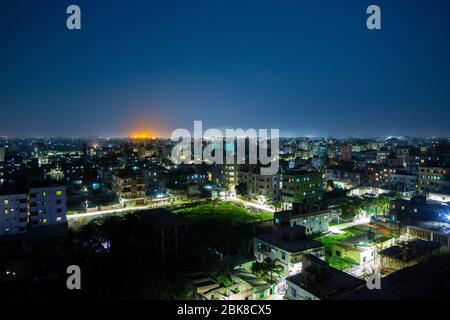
[221,211]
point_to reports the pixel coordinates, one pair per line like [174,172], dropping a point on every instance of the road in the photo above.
[339,227]
[104,212]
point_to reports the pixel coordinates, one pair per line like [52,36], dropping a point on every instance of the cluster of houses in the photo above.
[303,272]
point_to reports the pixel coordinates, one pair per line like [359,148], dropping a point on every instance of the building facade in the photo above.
[13,214]
[48,206]
[301,186]
[433,178]
[264,188]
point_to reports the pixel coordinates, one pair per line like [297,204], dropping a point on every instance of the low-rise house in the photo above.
[286,250]
[315,219]
[319,281]
[245,286]
[361,248]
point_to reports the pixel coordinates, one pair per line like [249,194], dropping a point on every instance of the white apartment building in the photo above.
[264,188]
[13,214]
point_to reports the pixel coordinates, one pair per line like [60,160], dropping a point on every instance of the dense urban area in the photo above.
[338,213]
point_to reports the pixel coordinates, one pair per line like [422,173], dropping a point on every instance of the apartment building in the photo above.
[301,186]
[13,213]
[37,207]
[403,180]
[264,188]
[47,206]
[130,187]
[433,178]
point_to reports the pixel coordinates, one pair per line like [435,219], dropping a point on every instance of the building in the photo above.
[301,186]
[424,281]
[48,207]
[130,187]
[314,219]
[13,213]
[440,197]
[228,176]
[346,152]
[417,208]
[406,254]
[263,188]
[433,178]
[2,154]
[319,281]
[320,150]
[437,232]
[287,251]
[343,178]
[33,210]
[403,180]
[361,249]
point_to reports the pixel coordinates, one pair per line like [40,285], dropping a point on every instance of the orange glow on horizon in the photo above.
[141,135]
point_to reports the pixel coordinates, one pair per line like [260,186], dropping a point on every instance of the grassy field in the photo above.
[330,240]
[221,211]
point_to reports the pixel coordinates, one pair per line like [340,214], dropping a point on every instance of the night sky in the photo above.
[306,67]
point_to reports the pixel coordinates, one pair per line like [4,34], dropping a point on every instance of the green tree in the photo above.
[268,269]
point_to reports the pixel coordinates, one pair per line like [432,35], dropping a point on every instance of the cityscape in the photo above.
[343,195]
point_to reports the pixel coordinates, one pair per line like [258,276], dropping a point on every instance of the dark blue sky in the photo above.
[306,67]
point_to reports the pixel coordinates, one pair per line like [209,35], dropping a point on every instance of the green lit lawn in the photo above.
[332,239]
[339,263]
[222,211]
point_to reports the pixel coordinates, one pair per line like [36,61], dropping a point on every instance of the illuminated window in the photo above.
[5,201]
[59,193]
[44,220]
[58,219]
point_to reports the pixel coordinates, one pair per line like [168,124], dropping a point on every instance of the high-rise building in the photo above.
[301,186]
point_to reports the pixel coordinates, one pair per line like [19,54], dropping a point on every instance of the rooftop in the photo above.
[410,250]
[323,281]
[439,227]
[289,246]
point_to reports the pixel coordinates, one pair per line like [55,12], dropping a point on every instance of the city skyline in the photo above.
[308,69]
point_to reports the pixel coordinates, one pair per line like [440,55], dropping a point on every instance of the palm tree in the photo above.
[271,267]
